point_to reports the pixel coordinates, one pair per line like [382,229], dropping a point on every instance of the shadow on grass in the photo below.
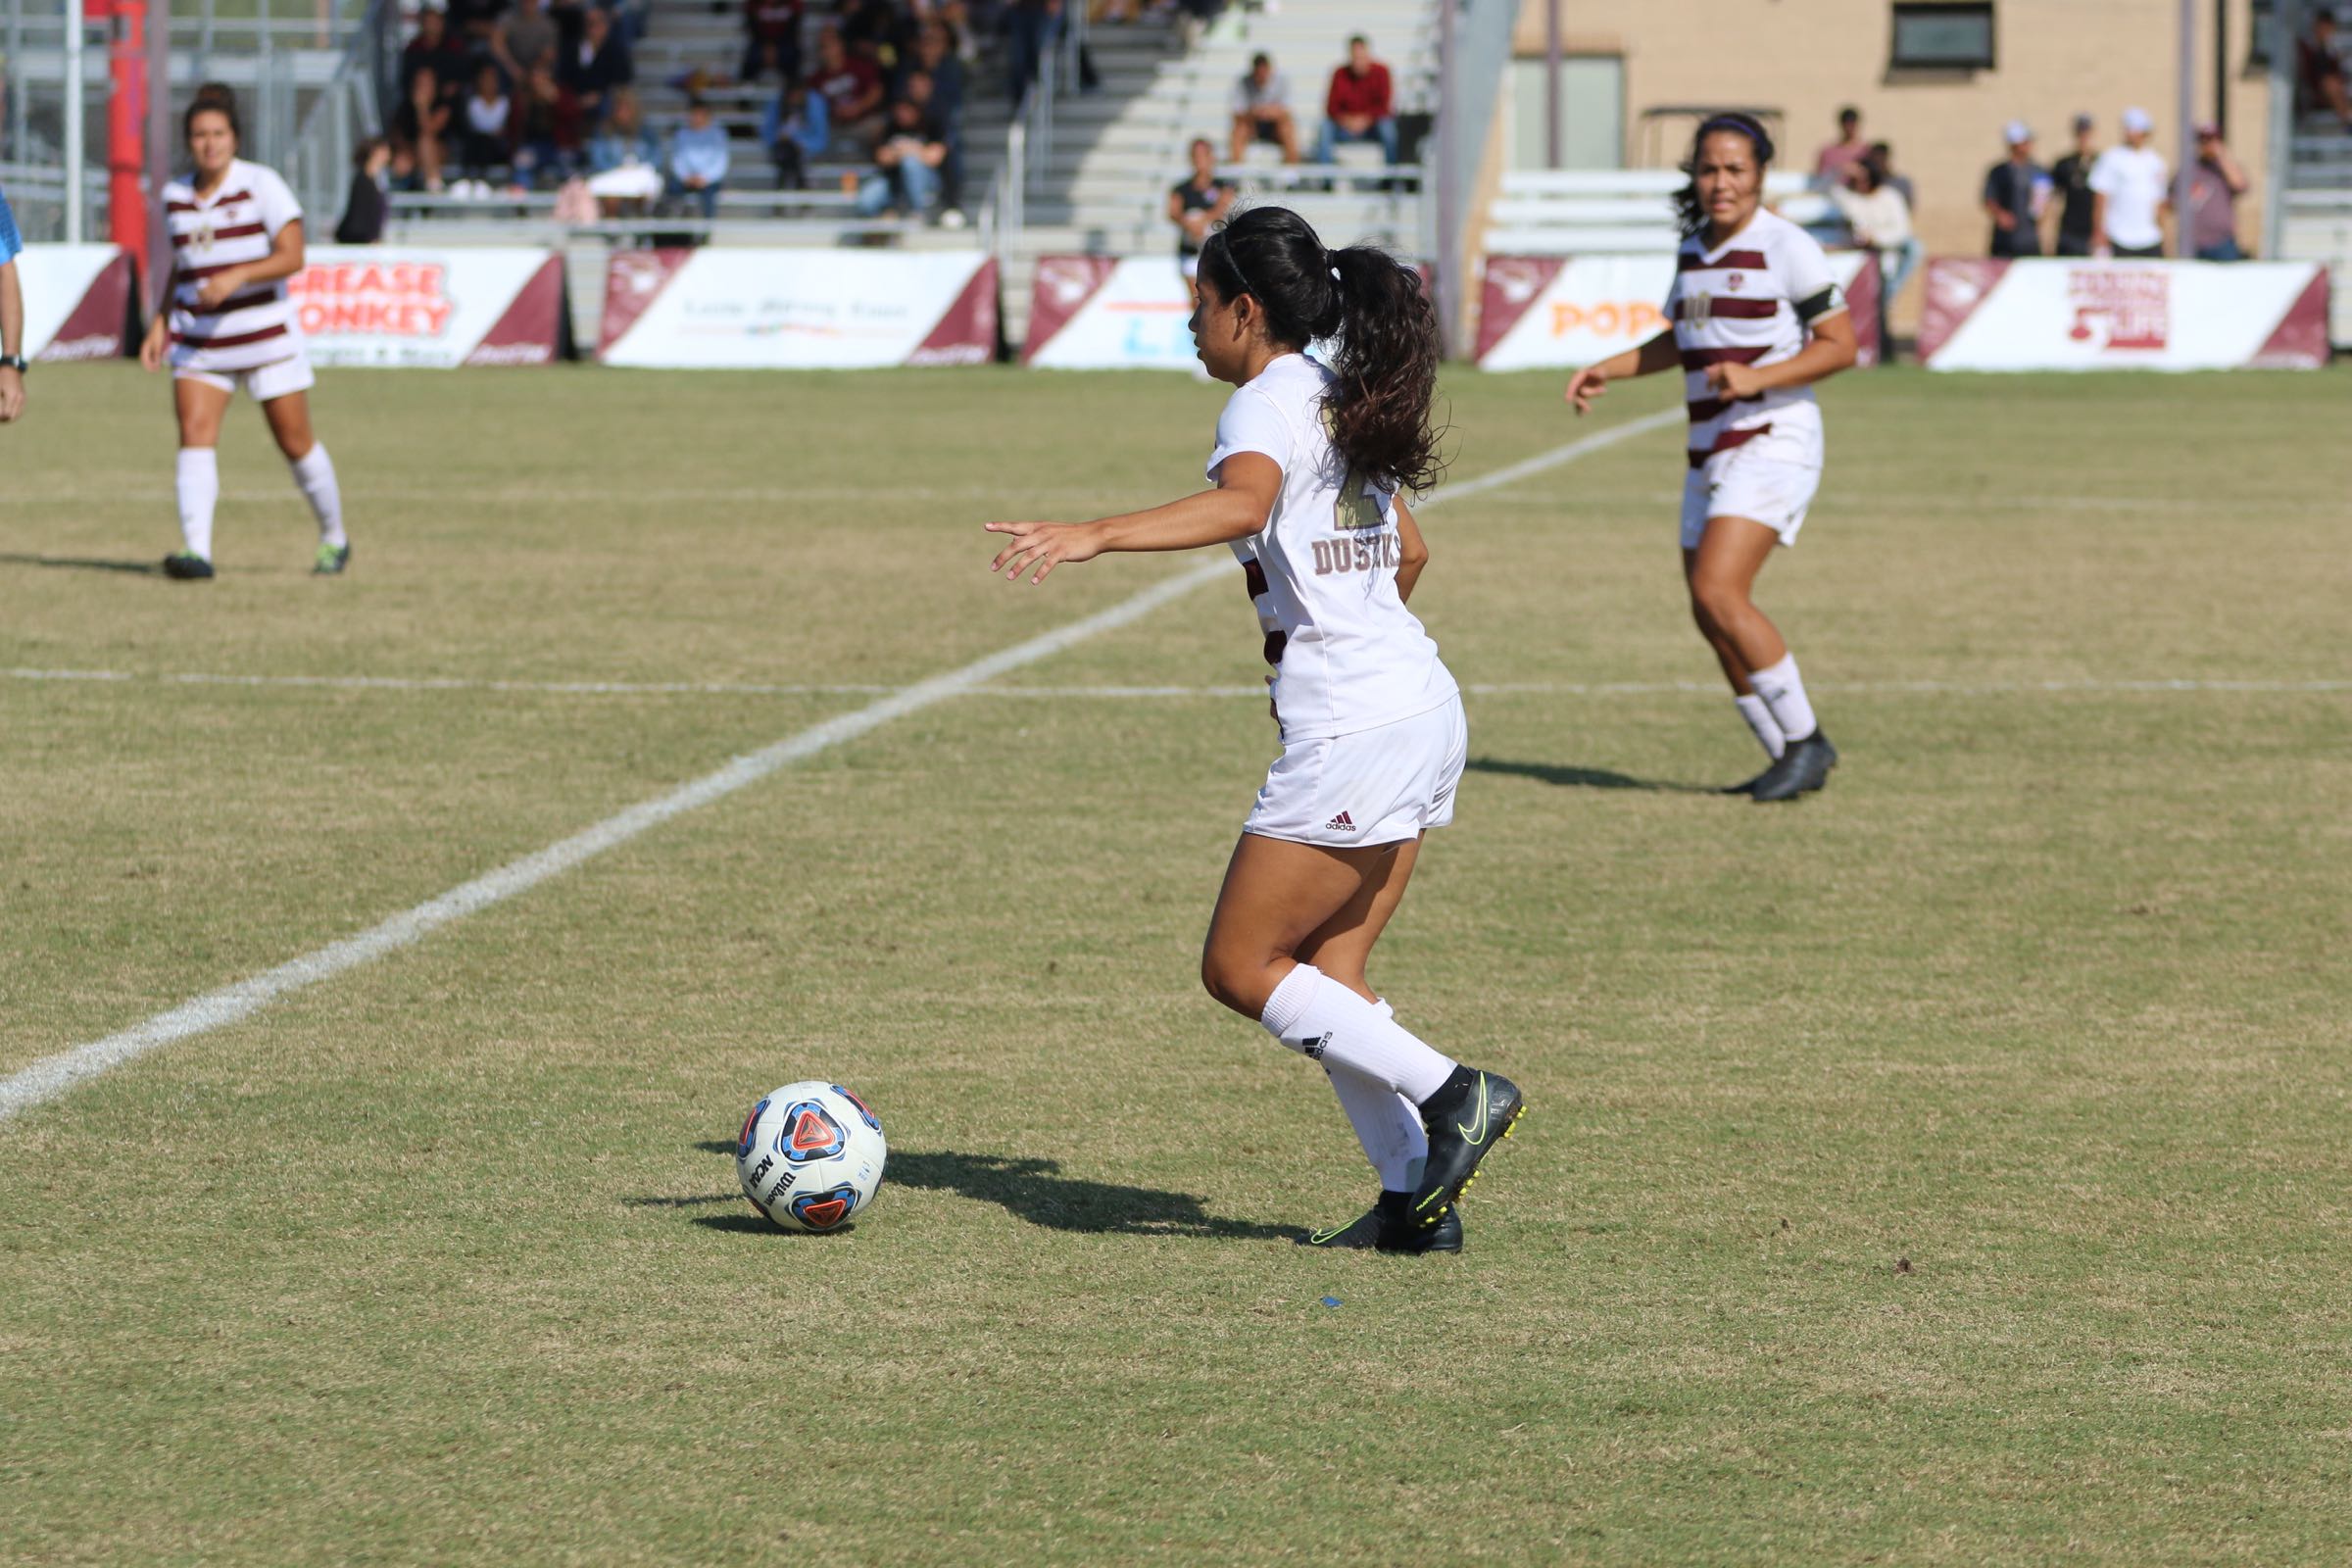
[1585,778]
[1029,1189]
[141,568]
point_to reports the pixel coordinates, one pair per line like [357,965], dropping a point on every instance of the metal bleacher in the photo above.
[1601,212]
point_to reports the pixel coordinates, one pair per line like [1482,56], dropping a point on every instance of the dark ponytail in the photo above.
[1381,332]
[1687,214]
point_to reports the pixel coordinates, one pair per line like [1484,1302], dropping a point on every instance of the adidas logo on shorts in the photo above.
[1342,823]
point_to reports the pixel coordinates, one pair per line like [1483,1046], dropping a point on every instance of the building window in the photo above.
[1943,36]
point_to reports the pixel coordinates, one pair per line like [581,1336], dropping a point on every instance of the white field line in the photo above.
[1106,692]
[52,1076]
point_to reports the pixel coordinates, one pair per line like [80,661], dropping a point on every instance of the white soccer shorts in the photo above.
[1374,786]
[1769,481]
[264,383]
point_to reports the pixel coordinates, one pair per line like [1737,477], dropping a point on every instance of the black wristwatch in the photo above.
[14,362]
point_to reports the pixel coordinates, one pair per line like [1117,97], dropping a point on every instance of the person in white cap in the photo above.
[2131,193]
[2016,190]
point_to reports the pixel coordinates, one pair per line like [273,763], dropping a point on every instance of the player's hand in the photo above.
[220,287]
[1736,381]
[1585,386]
[152,347]
[1043,546]
[12,396]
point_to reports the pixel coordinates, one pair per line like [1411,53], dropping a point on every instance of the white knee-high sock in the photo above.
[1324,1020]
[199,486]
[1783,692]
[1385,1122]
[315,477]
[1768,729]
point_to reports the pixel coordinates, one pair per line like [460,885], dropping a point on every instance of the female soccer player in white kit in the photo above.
[237,237]
[1757,319]
[1308,467]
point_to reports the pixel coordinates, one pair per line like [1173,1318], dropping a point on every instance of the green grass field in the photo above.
[1950,1169]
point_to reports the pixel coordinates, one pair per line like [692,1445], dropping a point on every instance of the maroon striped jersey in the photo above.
[237,223]
[1747,301]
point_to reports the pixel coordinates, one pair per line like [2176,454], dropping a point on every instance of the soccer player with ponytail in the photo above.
[1309,465]
[1755,319]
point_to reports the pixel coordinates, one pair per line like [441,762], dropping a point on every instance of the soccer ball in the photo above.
[809,1157]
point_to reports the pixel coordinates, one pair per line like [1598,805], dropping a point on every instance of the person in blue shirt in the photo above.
[796,128]
[698,160]
[12,320]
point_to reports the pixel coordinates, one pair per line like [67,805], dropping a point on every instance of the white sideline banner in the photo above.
[1094,313]
[1548,312]
[395,306]
[742,308]
[2096,314]
[76,298]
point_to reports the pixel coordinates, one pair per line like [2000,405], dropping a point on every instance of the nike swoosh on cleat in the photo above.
[1480,1136]
[1320,1236]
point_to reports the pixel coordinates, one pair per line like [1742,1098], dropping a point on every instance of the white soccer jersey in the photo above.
[1748,302]
[1348,656]
[237,225]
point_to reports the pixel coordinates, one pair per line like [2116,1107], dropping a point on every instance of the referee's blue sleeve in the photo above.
[9,244]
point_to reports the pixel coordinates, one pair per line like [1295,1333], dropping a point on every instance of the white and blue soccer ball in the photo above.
[810,1156]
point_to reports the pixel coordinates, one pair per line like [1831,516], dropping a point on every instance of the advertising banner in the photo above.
[1103,313]
[76,301]
[1560,313]
[723,308]
[388,305]
[2088,314]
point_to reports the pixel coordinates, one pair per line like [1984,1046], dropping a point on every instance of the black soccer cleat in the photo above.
[1802,769]
[1467,1117]
[187,566]
[1387,1227]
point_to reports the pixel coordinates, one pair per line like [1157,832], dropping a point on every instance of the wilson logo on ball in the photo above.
[864,1109]
[808,1133]
[821,1212]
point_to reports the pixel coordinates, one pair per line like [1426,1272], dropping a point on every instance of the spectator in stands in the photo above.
[797,132]
[698,160]
[430,85]
[472,25]
[920,91]
[1360,105]
[850,85]
[625,164]
[1261,110]
[363,208]
[1880,220]
[598,65]
[2214,187]
[908,157]
[1033,29]
[1829,164]
[548,143]
[525,40]
[1198,204]
[2016,190]
[489,125]
[935,57]
[2319,70]
[876,30]
[2129,187]
[772,41]
[1912,251]
[2070,177]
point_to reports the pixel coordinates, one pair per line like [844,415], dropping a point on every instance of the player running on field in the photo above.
[1757,319]
[1309,465]
[237,237]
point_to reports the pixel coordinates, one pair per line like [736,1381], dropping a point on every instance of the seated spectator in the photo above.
[1261,110]
[850,85]
[489,125]
[525,40]
[2017,191]
[920,91]
[908,157]
[1359,106]
[548,145]
[2319,70]
[1197,204]
[2214,187]
[875,31]
[772,41]
[473,25]
[365,209]
[431,79]
[597,64]
[935,57]
[698,160]
[797,132]
[623,161]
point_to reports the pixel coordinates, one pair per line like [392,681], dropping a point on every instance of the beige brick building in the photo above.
[1635,64]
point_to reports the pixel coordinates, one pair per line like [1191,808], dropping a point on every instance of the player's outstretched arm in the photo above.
[1591,382]
[1248,483]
